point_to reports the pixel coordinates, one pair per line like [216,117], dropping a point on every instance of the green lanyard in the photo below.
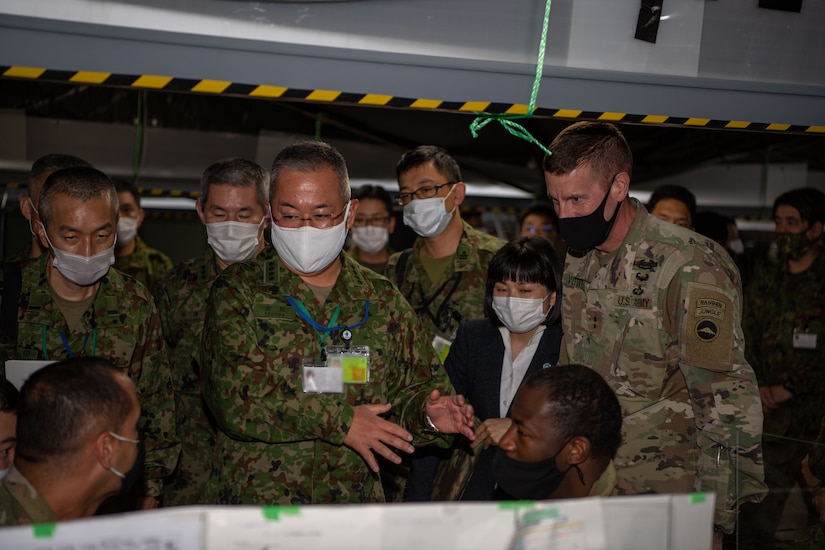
[319,329]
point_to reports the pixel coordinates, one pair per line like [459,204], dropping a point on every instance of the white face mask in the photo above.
[233,241]
[736,246]
[428,217]
[370,238]
[126,230]
[519,315]
[82,270]
[308,249]
[4,473]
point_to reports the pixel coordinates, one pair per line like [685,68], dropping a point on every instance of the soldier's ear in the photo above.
[816,231]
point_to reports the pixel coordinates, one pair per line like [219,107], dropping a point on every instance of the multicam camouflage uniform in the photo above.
[122,325]
[146,264]
[778,304]
[277,444]
[21,504]
[659,319]
[181,305]
[459,294]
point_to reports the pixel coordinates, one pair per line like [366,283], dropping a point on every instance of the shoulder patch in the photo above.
[707,330]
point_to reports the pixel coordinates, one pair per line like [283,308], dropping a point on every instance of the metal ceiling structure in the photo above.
[726,83]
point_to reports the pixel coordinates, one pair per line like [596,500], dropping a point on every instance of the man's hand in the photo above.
[810,479]
[491,431]
[773,396]
[148,503]
[451,414]
[370,433]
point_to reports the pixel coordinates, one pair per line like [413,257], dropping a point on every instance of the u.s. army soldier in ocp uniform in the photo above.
[656,309]
[232,207]
[72,303]
[292,428]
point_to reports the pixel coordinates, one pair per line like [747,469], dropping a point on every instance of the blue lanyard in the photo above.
[66,343]
[320,329]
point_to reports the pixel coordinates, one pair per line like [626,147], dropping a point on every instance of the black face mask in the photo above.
[529,480]
[136,471]
[587,232]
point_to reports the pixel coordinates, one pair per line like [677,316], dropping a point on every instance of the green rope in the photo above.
[507,120]
[137,152]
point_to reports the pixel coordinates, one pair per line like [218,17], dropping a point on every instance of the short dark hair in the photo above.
[62,404]
[373,192]
[441,159]
[810,203]
[310,156]
[599,145]
[123,186]
[541,209]
[79,182]
[51,163]
[527,260]
[236,172]
[582,403]
[9,397]
[676,192]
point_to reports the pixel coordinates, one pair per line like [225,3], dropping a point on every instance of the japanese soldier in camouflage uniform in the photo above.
[41,169]
[78,442]
[132,255]
[785,329]
[233,208]
[655,309]
[300,421]
[444,275]
[72,304]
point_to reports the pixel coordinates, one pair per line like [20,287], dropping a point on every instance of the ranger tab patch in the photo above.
[707,330]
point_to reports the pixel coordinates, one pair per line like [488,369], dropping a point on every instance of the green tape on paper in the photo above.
[275,512]
[698,498]
[44,530]
[515,504]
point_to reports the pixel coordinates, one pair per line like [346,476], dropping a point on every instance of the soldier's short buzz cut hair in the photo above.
[80,182]
[123,186]
[48,164]
[236,172]
[582,404]
[63,404]
[311,156]
[808,201]
[599,145]
[443,162]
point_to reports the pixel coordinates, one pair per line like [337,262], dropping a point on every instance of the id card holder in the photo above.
[354,362]
[320,378]
[442,347]
[802,339]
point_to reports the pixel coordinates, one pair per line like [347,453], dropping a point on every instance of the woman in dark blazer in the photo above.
[520,334]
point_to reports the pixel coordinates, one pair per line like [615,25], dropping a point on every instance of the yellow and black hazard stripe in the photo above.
[264,91]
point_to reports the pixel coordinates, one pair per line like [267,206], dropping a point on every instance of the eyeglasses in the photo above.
[380,221]
[318,221]
[426,192]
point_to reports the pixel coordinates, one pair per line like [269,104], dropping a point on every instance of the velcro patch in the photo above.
[707,333]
